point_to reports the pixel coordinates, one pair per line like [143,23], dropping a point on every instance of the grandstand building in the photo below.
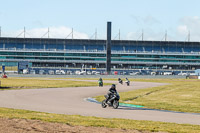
[74,53]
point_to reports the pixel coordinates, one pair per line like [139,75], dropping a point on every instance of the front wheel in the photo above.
[115,104]
[103,104]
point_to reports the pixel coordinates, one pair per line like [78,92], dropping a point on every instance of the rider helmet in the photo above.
[113,86]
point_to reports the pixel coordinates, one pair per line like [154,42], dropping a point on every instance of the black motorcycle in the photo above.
[127,83]
[114,101]
[121,81]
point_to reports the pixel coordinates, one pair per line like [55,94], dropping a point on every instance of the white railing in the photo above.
[98,51]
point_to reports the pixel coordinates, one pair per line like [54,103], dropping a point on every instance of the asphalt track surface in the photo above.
[72,101]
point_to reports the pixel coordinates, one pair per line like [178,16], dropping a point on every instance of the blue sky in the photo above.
[178,17]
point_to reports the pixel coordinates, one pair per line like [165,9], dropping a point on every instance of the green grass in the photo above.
[180,95]
[11,68]
[99,122]
[30,83]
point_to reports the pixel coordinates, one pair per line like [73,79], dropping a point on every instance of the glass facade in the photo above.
[74,53]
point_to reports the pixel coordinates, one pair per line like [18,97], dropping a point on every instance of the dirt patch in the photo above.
[35,126]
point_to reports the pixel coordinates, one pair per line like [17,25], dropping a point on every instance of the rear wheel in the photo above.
[115,104]
[103,104]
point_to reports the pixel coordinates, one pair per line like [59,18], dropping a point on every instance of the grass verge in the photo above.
[30,83]
[99,122]
[180,95]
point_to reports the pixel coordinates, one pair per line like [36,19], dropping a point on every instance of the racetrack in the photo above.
[71,101]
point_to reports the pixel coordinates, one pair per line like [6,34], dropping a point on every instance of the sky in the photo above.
[177,18]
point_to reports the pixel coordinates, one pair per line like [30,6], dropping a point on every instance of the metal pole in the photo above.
[48,32]
[24,32]
[119,34]
[96,34]
[142,35]
[0,31]
[24,38]
[72,33]
[165,35]
[108,48]
[189,36]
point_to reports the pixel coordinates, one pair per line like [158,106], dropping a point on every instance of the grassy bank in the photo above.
[11,68]
[180,95]
[99,122]
[162,93]
[30,83]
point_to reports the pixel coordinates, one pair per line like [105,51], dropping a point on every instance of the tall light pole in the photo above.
[108,48]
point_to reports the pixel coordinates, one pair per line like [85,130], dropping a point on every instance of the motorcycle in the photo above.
[127,83]
[100,83]
[121,82]
[114,101]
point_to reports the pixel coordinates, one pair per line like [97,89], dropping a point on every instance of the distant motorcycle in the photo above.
[100,83]
[127,83]
[120,81]
[114,101]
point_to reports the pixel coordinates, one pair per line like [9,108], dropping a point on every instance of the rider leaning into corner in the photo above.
[111,91]
[127,80]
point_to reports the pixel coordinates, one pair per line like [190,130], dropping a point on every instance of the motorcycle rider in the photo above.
[100,82]
[100,78]
[127,81]
[120,80]
[111,91]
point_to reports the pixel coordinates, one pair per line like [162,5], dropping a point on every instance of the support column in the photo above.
[108,48]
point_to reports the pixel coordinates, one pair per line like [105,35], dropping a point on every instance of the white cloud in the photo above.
[189,24]
[152,27]
[145,21]
[177,33]
[134,35]
[148,34]
[182,29]
[150,20]
[54,32]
